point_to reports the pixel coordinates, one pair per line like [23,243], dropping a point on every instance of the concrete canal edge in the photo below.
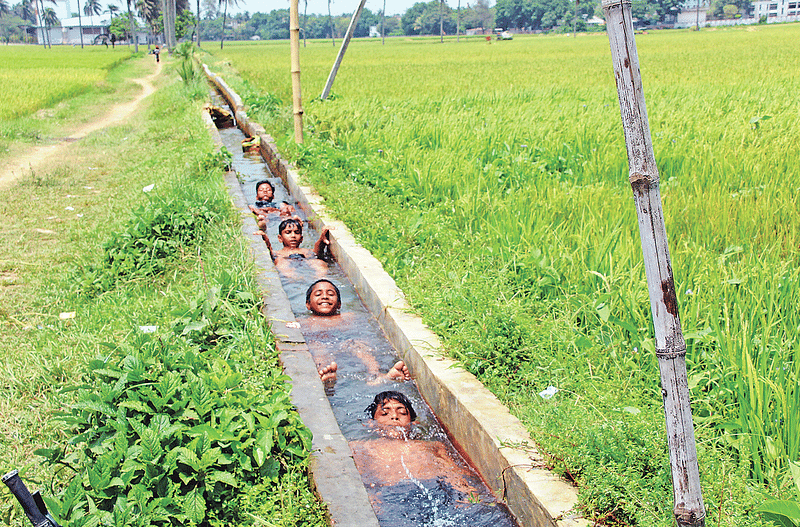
[496,442]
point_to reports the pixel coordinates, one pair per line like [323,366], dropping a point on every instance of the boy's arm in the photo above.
[266,240]
[322,243]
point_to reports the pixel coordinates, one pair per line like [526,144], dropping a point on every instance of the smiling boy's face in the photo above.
[323,299]
[264,193]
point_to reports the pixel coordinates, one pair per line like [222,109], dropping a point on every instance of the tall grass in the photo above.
[495,181]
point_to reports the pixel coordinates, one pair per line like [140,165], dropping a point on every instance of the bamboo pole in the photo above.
[670,345]
[294,37]
[346,42]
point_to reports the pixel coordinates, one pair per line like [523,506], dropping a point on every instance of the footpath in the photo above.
[16,167]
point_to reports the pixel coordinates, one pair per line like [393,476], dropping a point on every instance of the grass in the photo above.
[56,222]
[491,181]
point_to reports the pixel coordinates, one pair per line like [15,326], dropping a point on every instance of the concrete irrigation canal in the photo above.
[464,461]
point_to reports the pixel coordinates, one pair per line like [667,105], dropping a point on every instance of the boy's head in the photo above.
[265,191]
[392,408]
[323,298]
[290,233]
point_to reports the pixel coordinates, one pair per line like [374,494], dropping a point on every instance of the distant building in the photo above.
[692,13]
[777,10]
[373,32]
[95,31]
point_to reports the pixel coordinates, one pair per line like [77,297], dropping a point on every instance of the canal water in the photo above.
[414,477]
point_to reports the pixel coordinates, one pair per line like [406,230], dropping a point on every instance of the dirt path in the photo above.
[16,167]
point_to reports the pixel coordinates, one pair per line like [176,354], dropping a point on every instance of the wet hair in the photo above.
[291,221]
[311,287]
[390,395]
[265,182]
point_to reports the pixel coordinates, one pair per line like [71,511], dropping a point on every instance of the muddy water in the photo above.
[413,478]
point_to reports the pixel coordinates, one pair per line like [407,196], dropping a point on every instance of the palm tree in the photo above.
[80,22]
[27,11]
[112,9]
[5,9]
[92,7]
[49,19]
[150,12]
[225,4]
[42,13]
[133,28]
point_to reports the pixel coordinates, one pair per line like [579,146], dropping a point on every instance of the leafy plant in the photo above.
[162,433]
[158,232]
[784,513]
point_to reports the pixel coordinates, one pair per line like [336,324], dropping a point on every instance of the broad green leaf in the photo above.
[223,477]
[194,505]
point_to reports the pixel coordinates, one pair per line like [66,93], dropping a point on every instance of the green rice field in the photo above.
[34,77]
[490,178]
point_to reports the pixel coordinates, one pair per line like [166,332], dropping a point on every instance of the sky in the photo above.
[393,7]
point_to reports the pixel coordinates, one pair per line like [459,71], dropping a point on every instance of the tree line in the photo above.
[423,18]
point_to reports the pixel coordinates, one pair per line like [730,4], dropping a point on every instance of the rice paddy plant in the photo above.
[495,181]
[34,78]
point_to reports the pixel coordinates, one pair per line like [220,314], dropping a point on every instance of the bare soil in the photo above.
[13,168]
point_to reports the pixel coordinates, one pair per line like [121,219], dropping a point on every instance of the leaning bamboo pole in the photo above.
[670,345]
[342,50]
[294,38]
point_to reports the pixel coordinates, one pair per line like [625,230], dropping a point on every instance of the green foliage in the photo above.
[157,233]
[186,67]
[784,513]
[163,433]
[213,162]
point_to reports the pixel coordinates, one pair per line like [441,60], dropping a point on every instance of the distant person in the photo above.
[157,53]
[265,204]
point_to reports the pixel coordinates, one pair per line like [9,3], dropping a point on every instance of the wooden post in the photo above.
[383,21]
[670,345]
[441,21]
[346,42]
[294,37]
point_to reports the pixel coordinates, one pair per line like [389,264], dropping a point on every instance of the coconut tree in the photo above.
[149,11]
[112,9]
[92,7]
[133,27]
[224,4]
[80,22]
[27,11]
[49,19]
[5,9]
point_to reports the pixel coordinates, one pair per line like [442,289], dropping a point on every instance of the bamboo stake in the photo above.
[294,37]
[346,42]
[670,345]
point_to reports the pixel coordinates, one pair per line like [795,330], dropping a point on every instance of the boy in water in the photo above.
[265,194]
[290,234]
[396,459]
[324,300]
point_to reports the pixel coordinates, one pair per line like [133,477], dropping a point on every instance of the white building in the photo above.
[777,10]
[95,31]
